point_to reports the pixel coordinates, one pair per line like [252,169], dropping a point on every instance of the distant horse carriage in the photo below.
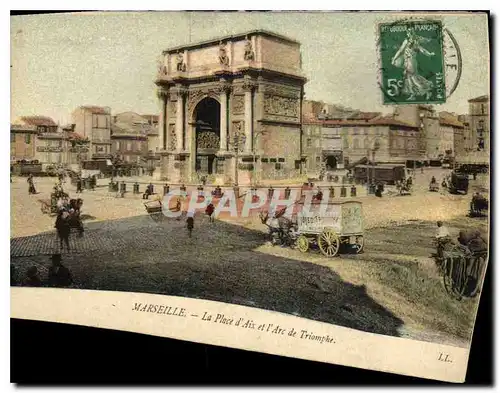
[479,205]
[404,187]
[458,183]
[434,185]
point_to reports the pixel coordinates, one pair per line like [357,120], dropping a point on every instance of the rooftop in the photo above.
[449,119]
[97,109]
[377,121]
[484,98]
[216,40]
[22,127]
[38,120]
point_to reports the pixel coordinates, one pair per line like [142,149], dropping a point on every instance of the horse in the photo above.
[279,227]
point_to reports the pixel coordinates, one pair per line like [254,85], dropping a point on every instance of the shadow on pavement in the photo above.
[221,262]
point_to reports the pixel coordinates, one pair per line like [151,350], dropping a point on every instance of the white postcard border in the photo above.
[344,346]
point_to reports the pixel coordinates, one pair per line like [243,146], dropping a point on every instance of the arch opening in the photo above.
[207,135]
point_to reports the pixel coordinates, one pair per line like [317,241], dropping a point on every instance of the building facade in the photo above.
[129,137]
[231,109]
[452,135]
[94,124]
[468,141]
[427,120]
[338,143]
[479,117]
[153,134]
[62,148]
[22,142]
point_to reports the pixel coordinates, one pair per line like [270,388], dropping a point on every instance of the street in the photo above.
[392,288]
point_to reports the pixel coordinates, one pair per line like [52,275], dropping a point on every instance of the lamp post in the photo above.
[371,168]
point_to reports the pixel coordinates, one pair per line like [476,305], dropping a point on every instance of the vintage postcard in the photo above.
[307,184]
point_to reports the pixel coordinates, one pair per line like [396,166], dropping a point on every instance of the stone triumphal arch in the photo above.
[228,105]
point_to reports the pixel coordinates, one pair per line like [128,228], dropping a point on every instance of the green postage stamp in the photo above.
[412,62]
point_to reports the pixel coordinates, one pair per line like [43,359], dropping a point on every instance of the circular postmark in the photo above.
[419,61]
[452,62]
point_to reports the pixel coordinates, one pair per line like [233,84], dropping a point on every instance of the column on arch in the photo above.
[179,120]
[224,91]
[248,87]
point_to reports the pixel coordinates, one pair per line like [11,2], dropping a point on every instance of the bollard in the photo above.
[287,192]
[270,192]
[343,191]
[136,188]
[353,190]
[166,189]
[332,192]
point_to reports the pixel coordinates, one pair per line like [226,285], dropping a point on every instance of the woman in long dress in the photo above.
[406,58]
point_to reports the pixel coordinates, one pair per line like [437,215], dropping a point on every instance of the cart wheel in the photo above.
[302,243]
[358,246]
[329,242]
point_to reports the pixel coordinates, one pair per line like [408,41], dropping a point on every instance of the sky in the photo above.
[62,61]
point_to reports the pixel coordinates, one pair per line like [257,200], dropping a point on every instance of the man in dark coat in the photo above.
[190,224]
[209,211]
[31,184]
[79,182]
[63,228]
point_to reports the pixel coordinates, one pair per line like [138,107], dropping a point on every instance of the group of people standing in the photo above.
[59,276]
[68,215]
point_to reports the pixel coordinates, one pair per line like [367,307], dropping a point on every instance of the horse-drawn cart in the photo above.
[463,270]
[330,226]
[479,206]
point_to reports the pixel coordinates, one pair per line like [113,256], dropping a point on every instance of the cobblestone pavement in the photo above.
[48,243]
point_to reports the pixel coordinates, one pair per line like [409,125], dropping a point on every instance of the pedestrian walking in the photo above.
[63,228]
[209,211]
[190,224]
[31,184]
[79,182]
